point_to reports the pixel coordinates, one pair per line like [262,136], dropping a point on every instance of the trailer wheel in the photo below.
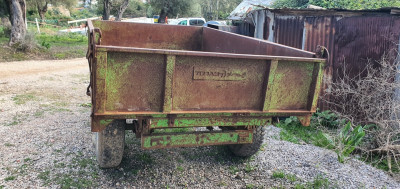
[247,150]
[110,144]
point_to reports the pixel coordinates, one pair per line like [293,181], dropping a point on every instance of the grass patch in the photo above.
[250,186]
[278,174]
[44,176]
[24,98]
[319,182]
[17,119]
[8,144]
[70,181]
[10,178]
[282,175]
[86,105]
[47,45]
[233,169]
[180,168]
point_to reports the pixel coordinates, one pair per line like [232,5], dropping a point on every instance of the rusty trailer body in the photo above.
[164,77]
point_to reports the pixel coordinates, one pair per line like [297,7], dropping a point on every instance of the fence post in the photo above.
[37,25]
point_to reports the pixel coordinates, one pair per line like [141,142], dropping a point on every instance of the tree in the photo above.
[122,9]
[17,10]
[42,5]
[113,6]
[338,4]
[217,9]
[171,8]
[106,9]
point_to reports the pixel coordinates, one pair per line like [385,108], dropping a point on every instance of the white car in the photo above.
[191,21]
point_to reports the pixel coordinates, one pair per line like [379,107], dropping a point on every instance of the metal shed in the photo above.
[351,37]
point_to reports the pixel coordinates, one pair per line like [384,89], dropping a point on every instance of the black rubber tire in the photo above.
[110,144]
[247,150]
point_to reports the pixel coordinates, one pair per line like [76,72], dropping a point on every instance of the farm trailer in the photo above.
[162,77]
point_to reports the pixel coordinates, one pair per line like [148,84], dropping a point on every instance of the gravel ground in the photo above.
[45,141]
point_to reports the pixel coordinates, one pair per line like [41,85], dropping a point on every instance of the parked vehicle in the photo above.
[191,21]
[160,77]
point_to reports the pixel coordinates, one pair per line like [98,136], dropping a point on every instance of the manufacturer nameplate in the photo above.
[219,74]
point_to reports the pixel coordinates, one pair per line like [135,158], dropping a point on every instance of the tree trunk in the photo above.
[17,18]
[106,10]
[41,10]
[164,12]
[122,9]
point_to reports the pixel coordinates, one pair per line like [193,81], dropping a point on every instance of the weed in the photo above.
[86,105]
[249,186]
[24,98]
[8,144]
[180,168]
[282,175]
[2,186]
[82,162]
[291,178]
[294,132]
[39,113]
[249,168]
[317,183]
[27,159]
[146,158]
[68,181]
[233,169]
[9,178]
[278,174]
[349,140]
[44,176]
[327,119]
[17,119]
[61,55]
[320,182]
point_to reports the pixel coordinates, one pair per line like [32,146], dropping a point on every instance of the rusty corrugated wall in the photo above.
[352,37]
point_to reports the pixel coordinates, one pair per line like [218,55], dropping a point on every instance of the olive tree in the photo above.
[17,14]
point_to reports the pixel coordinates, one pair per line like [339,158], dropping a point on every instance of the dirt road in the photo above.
[45,141]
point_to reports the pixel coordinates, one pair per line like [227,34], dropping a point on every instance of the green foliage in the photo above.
[290,4]
[61,39]
[173,7]
[317,183]
[355,4]
[213,10]
[337,4]
[83,13]
[349,140]
[278,174]
[327,119]
[10,178]
[344,144]
[136,8]
[294,132]
[23,98]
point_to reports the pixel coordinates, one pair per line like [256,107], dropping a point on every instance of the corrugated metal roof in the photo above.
[247,6]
